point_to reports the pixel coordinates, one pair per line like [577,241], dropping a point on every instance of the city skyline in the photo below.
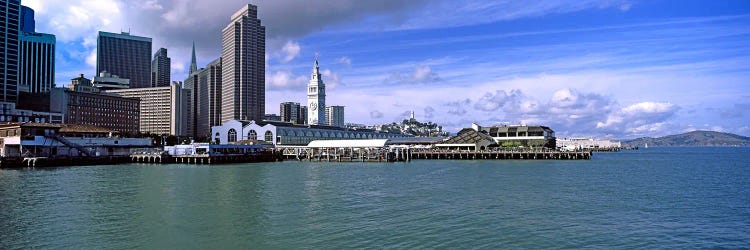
[618,68]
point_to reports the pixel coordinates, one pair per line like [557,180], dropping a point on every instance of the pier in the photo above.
[499,155]
[205,159]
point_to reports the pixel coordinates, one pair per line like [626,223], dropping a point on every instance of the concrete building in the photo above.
[205,86]
[316,98]
[289,112]
[272,118]
[302,119]
[126,56]
[108,81]
[82,84]
[160,69]
[243,66]
[91,108]
[10,12]
[282,133]
[335,116]
[161,108]
[37,62]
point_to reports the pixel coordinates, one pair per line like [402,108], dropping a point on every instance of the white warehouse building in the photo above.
[282,133]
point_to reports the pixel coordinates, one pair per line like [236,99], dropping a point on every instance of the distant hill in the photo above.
[695,138]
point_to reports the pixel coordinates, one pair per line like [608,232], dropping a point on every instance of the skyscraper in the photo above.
[37,62]
[160,67]
[193,62]
[243,66]
[206,88]
[10,11]
[28,24]
[335,115]
[289,111]
[316,98]
[125,56]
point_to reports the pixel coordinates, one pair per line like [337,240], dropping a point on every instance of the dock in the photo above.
[499,155]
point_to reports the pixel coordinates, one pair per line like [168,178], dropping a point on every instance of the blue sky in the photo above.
[618,69]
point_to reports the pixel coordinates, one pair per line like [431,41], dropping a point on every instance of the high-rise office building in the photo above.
[193,62]
[161,108]
[243,66]
[10,11]
[37,62]
[206,88]
[160,69]
[126,56]
[316,98]
[335,116]
[289,112]
[302,119]
[28,24]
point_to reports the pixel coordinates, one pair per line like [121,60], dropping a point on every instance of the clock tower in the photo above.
[316,98]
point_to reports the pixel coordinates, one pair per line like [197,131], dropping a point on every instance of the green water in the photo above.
[670,198]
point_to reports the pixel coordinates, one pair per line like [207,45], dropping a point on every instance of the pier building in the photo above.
[282,133]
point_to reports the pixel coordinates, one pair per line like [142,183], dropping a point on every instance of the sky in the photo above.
[607,69]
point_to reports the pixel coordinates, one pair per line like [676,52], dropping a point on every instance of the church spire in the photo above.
[193,62]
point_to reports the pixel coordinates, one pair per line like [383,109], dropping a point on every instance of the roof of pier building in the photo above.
[376,143]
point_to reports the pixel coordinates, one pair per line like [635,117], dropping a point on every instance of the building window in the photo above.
[252,135]
[232,135]
[269,136]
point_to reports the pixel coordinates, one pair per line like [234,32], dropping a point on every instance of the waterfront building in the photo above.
[91,108]
[520,135]
[10,12]
[29,139]
[160,69]
[290,112]
[205,86]
[283,133]
[335,116]
[272,118]
[243,66]
[37,62]
[126,56]
[108,81]
[161,108]
[316,97]
[586,143]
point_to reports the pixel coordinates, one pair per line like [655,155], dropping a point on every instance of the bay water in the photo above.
[649,198]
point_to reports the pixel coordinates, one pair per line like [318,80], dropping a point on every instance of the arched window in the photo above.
[252,135]
[232,135]
[269,136]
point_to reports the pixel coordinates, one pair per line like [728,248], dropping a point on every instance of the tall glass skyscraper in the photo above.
[37,62]
[160,69]
[126,56]
[10,23]
[243,67]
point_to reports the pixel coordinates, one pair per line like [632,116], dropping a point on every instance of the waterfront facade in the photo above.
[161,109]
[520,135]
[126,56]
[587,143]
[19,140]
[335,116]
[37,69]
[160,69]
[90,108]
[316,98]
[10,11]
[243,66]
[282,133]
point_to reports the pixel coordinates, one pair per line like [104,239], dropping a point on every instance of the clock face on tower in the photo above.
[314,106]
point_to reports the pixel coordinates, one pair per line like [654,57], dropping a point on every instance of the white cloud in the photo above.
[331,79]
[290,51]
[639,118]
[285,80]
[422,74]
[91,59]
[344,60]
